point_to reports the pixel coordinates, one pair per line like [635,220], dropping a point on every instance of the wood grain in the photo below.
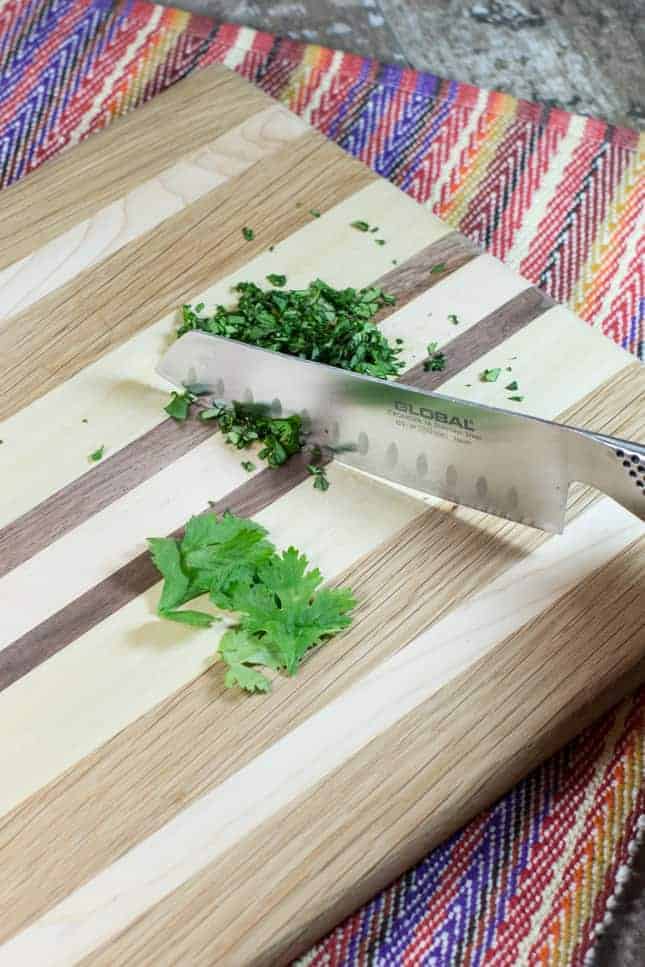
[308,863]
[178,258]
[163,444]
[74,186]
[427,568]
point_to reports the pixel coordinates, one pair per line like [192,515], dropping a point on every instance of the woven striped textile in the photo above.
[557,196]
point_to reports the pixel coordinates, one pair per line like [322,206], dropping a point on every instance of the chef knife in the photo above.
[514,466]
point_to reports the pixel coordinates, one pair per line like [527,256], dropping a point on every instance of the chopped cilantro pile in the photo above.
[320,323]
[282,612]
[243,424]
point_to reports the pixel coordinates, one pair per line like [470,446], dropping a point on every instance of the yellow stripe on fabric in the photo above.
[500,114]
[605,260]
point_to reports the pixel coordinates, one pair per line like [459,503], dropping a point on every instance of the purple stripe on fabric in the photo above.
[435,128]
[355,89]
[358,137]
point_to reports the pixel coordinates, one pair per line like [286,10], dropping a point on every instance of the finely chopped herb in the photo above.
[490,375]
[97,455]
[436,361]
[248,234]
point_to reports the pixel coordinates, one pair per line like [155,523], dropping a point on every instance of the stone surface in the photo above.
[583,55]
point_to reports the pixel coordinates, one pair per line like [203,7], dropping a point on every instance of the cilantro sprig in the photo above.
[281,610]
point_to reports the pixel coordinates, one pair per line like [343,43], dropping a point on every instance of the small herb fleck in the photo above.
[380,241]
[277,280]
[84,420]
[490,375]
[314,213]
[320,477]
[248,234]
[453,319]
[516,399]
[248,465]
[199,307]
[97,455]
[179,406]
[271,248]
[438,268]
[512,386]
[374,229]
[395,262]
[361,226]
[436,361]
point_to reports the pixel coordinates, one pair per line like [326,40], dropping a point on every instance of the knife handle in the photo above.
[616,467]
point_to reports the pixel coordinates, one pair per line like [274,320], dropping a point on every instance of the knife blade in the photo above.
[509,464]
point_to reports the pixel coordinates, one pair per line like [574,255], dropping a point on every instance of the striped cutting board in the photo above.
[149,816]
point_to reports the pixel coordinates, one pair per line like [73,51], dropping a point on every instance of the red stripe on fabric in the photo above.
[519,203]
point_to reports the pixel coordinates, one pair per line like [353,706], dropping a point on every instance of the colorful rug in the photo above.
[557,196]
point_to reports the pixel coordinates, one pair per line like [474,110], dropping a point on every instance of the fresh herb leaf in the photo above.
[438,268]
[287,612]
[282,610]
[512,386]
[379,241]
[85,420]
[516,399]
[490,375]
[320,477]
[278,280]
[374,229]
[248,465]
[248,234]
[361,225]
[97,455]
[179,406]
[314,213]
[453,319]
[436,361]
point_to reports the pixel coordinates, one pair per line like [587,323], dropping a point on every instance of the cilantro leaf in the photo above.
[248,465]
[439,267]
[360,225]
[320,477]
[97,455]
[285,607]
[516,399]
[179,406]
[436,361]
[275,279]
[491,375]
[247,678]
[248,234]
[314,213]
[512,386]
[453,319]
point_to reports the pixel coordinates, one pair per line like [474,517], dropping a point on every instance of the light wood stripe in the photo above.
[76,185]
[429,567]
[120,392]
[53,339]
[145,206]
[95,490]
[202,832]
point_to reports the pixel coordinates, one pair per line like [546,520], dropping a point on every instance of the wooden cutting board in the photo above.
[150,816]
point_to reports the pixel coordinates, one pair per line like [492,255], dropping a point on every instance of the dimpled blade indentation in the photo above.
[392,455]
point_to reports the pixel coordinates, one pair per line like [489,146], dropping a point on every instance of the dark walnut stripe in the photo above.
[133,579]
[76,185]
[161,446]
[97,489]
[491,331]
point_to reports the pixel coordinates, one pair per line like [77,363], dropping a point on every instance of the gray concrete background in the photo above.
[583,55]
